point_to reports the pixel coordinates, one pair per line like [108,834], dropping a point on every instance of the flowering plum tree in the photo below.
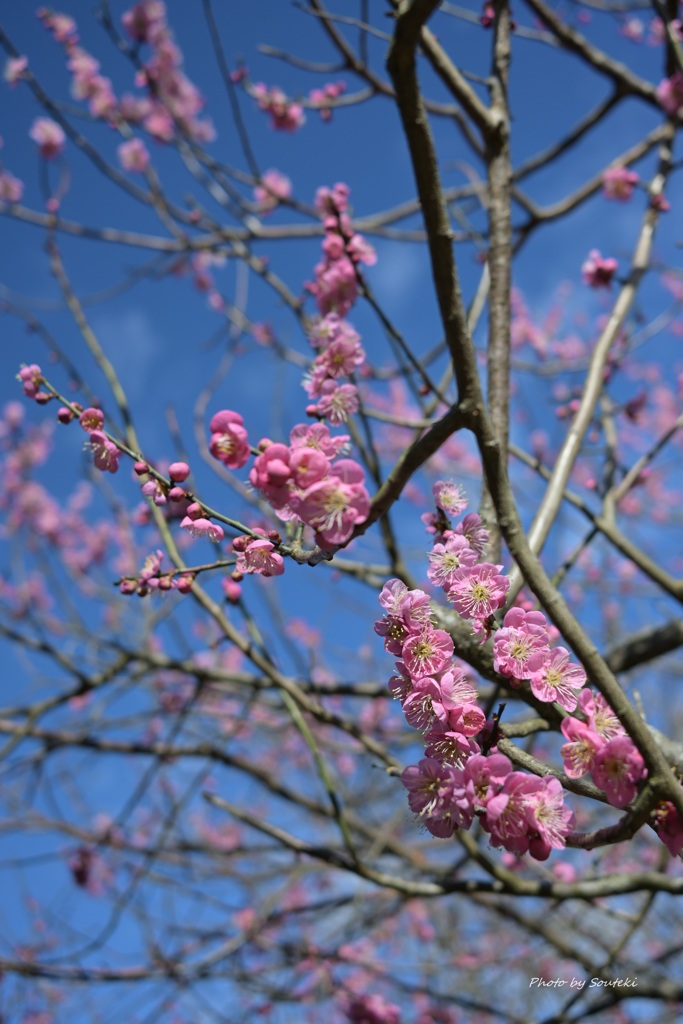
[385,356]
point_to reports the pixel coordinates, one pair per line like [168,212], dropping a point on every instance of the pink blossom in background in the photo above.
[14,69]
[274,187]
[670,93]
[619,183]
[598,271]
[49,136]
[11,188]
[285,114]
[133,156]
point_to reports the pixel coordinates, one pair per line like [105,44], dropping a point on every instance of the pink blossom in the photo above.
[669,827]
[582,746]
[618,183]
[474,532]
[449,497]
[49,136]
[334,505]
[91,419]
[478,591]
[11,188]
[548,816]
[274,187]
[507,810]
[521,646]
[428,652]
[229,443]
[317,435]
[178,471]
[203,527]
[430,786]
[557,679]
[260,557]
[372,1009]
[14,69]
[105,453]
[143,18]
[600,715]
[133,156]
[670,93]
[617,768]
[285,114]
[446,558]
[336,403]
[598,272]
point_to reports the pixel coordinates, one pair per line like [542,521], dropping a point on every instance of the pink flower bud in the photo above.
[178,471]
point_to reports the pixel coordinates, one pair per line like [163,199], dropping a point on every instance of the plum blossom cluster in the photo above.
[272,189]
[340,353]
[599,745]
[455,782]
[258,555]
[306,480]
[286,115]
[152,579]
[335,288]
[172,100]
[323,99]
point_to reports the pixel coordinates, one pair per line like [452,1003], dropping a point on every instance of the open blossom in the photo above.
[336,403]
[521,646]
[260,556]
[581,747]
[335,505]
[428,652]
[202,527]
[619,183]
[105,453]
[446,558]
[449,497]
[598,271]
[478,591]
[430,786]
[617,768]
[557,679]
[600,715]
[49,136]
[548,817]
[474,532]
